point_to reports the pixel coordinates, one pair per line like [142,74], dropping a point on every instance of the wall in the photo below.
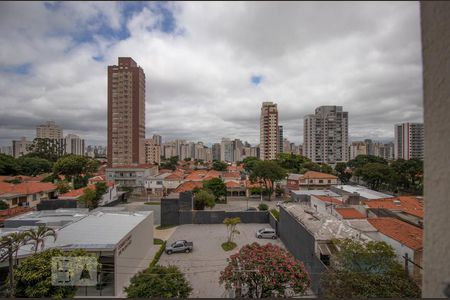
[136,256]
[301,243]
[435,25]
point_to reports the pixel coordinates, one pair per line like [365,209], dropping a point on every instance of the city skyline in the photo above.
[203,93]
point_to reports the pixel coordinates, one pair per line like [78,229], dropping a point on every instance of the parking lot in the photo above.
[203,265]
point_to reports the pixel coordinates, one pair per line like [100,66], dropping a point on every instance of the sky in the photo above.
[209,66]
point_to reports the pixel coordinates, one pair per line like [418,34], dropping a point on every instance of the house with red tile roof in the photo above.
[239,168]
[188,186]
[27,194]
[231,176]
[406,204]
[406,239]
[131,176]
[311,180]
[110,195]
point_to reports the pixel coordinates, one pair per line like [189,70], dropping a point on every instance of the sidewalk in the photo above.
[163,234]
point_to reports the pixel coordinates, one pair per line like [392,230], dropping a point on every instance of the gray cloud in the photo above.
[365,56]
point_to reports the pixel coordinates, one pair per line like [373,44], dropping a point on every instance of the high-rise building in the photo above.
[269,131]
[226,150]
[157,139]
[49,130]
[73,144]
[152,152]
[409,141]
[358,148]
[385,151]
[287,146]
[126,113]
[280,139]
[7,150]
[216,151]
[326,135]
[20,147]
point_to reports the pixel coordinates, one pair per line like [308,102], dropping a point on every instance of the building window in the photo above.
[320,181]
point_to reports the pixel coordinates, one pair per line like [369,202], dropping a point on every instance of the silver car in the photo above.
[267,233]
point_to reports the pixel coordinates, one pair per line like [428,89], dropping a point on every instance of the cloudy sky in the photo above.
[209,66]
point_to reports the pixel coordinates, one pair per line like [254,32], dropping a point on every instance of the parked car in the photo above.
[268,233]
[252,209]
[179,246]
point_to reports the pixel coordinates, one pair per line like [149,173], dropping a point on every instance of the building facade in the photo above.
[126,113]
[49,130]
[20,147]
[409,141]
[152,152]
[73,144]
[357,148]
[326,135]
[280,139]
[269,131]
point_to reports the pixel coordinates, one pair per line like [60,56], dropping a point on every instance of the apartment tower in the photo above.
[269,131]
[49,130]
[409,141]
[326,135]
[126,113]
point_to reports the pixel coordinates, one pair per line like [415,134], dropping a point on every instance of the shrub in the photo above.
[227,246]
[275,213]
[263,206]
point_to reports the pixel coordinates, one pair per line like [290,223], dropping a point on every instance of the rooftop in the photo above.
[25,188]
[316,192]
[188,186]
[408,204]
[349,213]
[141,166]
[317,175]
[328,199]
[362,191]
[404,233]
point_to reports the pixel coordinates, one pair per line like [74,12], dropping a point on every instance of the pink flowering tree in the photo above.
[262,271]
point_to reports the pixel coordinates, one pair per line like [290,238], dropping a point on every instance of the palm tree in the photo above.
[38,235]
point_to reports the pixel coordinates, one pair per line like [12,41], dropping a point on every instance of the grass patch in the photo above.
[152,203]
[275,213]
[165,227]
[227,246]
[158,242]
[158,255]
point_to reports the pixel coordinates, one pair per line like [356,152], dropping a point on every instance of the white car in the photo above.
[268,233]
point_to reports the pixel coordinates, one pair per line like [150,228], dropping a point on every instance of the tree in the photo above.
[376,175]
[159,282]
[33,275]
[268,172]
[49,149]
[343,173]
[3,205]
[62,186]
[216,186]
[361,160]
[231,224]
[249,163]
[366,271]
[8,165]
[203,198]
[38,235]
[89,198]
[263,207]
[9,247]
[219,165]
[33,166]
[75,166]
[270,272]
[171,163]
[408,175]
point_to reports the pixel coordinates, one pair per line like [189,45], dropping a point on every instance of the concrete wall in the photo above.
[53,204]
[136,256]
[301,244]
[435,25]
[169,212]
[273,222]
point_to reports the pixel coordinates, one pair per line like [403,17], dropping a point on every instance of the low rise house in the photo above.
[324,204]
[347,213]
[311,180]
[360,191]
[155,184]
[131,176]
[305,195]
[26,194]
[111,195]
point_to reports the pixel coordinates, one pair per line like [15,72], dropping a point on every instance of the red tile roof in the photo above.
[77,193]
[407,204]
[12,212]
[97,178]
[349,213]
[317,175]
[328,199]
[197,175]
[404,233]
[141,166]
[232,184]
[26,188]
[235,168]
[188,186]
[231,175]
[174,176]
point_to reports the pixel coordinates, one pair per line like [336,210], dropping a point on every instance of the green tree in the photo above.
[263,207]
[375,175]
[159,282]
[268,172]
[89,198]
[33,166]
[3,205]
[33,275]
[275,272]
[76,166]
[38,235]
[408,175]
[170,163]
[249,163]
[216,186]
[203,199]
[62,186]
[100,189]
[342,172]
[361,160]
[367,271]
[48,149]
[219,165]
[231,224]
[8,165]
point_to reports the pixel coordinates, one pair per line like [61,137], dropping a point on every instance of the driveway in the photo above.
[203,265]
